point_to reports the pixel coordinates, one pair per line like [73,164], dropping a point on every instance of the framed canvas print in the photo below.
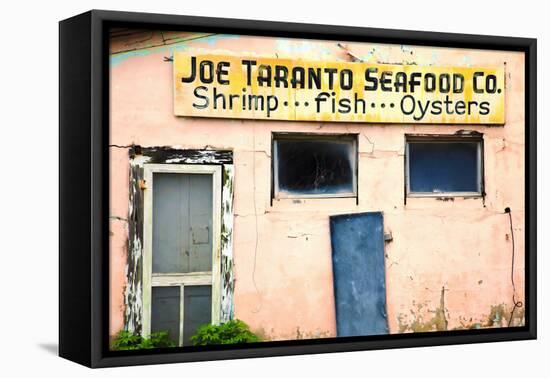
[233,188]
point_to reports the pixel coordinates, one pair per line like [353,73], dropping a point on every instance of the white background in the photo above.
[29,187]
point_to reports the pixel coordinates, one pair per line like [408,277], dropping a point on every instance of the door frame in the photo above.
[147,277]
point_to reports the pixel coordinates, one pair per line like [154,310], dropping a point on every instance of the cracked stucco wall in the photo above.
[282,257]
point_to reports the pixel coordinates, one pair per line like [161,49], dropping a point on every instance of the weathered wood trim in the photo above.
[227,277]
[147,256]
[216,245]
[133,289]
[187,279]
[185,168]
[170,155]
[135,292]
[182,314]
[215,279]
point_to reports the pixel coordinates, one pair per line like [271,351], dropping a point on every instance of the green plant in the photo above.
[126,340]
[232,332]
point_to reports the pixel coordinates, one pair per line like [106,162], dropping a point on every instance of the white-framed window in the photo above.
[444,166]
[314,165]
[181,251]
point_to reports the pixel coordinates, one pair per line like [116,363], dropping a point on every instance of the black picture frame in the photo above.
[84,195]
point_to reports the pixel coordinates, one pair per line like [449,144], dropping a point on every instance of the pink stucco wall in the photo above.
[446,257]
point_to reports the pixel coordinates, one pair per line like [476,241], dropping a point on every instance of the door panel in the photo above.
[200,215]
[182,223]
[359,273]
[197,309]
[165,314]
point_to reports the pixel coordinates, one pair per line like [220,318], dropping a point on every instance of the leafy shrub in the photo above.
[126,340]
[232,332]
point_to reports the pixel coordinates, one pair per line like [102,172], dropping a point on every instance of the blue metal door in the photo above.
[359,273]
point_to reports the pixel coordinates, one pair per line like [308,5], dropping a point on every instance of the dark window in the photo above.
[315,166]
[444,166]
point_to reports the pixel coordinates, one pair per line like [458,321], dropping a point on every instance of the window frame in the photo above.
[349,137]
[445,138]
[213,277]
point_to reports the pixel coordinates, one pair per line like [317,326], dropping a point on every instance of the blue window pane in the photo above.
[443,167]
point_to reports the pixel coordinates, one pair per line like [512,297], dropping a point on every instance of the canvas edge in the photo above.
[92,258]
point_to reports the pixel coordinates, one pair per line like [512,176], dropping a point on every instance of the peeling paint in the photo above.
[445,199]
[228,280]
[158,45]
[304,335]
[292,47]
[497,317]
[298,334]
[171,155]
[133,289]
[418,323]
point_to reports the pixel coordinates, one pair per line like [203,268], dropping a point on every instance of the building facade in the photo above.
[441,191]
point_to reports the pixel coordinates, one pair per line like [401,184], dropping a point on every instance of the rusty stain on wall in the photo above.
[417,322]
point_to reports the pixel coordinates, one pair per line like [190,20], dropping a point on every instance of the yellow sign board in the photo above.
[223,86]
